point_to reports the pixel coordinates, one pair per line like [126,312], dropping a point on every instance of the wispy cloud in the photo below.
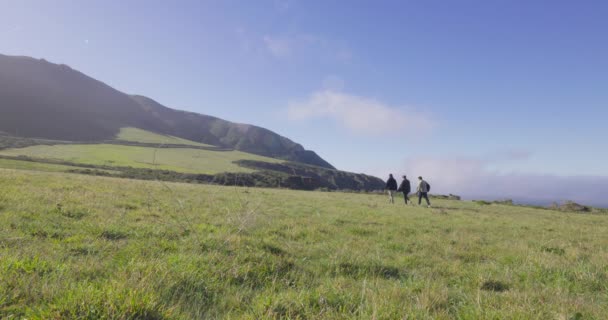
[306,46]
[359,114]
[333,82]
[472,177]
[279,47]
[10,30]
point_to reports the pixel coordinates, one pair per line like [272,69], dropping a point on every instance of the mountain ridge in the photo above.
[46,100]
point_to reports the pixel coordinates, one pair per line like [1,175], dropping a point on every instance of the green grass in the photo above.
[28,165]
[82,247]
[139,135]
[173,159]
[47,167]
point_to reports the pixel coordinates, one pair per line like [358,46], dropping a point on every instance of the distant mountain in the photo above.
[46,100]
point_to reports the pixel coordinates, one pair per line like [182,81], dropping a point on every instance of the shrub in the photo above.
[482,202]
[496,286]
[113,235]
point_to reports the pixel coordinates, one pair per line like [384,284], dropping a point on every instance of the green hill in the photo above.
[145,155]
[40,99]
[143,136]
[172,159]
[82,247]
[38,166]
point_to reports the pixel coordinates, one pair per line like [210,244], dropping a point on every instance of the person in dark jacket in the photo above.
[423,190]
[406,188]
[391,187]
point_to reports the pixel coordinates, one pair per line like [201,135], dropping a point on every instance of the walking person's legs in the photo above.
[405,198]
[419,198]
[390,196]
[426,197]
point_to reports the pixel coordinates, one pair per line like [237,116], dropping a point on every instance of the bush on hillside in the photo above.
[444,197]
[570,206]
[482,202]
[453,197]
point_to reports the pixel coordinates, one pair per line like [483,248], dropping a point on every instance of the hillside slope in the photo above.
[140,154]
[46,100]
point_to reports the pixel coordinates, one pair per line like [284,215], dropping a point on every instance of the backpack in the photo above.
[428,187]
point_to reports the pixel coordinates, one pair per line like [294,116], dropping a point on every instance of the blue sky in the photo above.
[490,89]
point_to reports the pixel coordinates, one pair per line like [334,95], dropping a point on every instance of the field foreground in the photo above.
[75,246]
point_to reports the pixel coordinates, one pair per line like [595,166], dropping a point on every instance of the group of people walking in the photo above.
[422,189]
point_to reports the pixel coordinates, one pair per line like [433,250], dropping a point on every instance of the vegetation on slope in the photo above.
[75,246]
[8,142]
[39,166]
[170,159]
[330,179]
[143,136]
[310,177]
[147,159]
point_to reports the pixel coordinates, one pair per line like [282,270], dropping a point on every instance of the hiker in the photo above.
[405,187]
[391,187]
[423,189]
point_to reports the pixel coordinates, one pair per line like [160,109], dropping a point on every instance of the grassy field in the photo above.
[28,165]
[45,167]
[82,247]
[139,135]
[173,159]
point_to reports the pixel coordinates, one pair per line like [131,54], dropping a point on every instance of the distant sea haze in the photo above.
[544,202]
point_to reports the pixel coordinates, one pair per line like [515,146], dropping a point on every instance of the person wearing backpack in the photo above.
[391,187]
[406,188]
[423,190]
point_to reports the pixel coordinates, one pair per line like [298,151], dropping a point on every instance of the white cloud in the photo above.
[472,178]
[359,114]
